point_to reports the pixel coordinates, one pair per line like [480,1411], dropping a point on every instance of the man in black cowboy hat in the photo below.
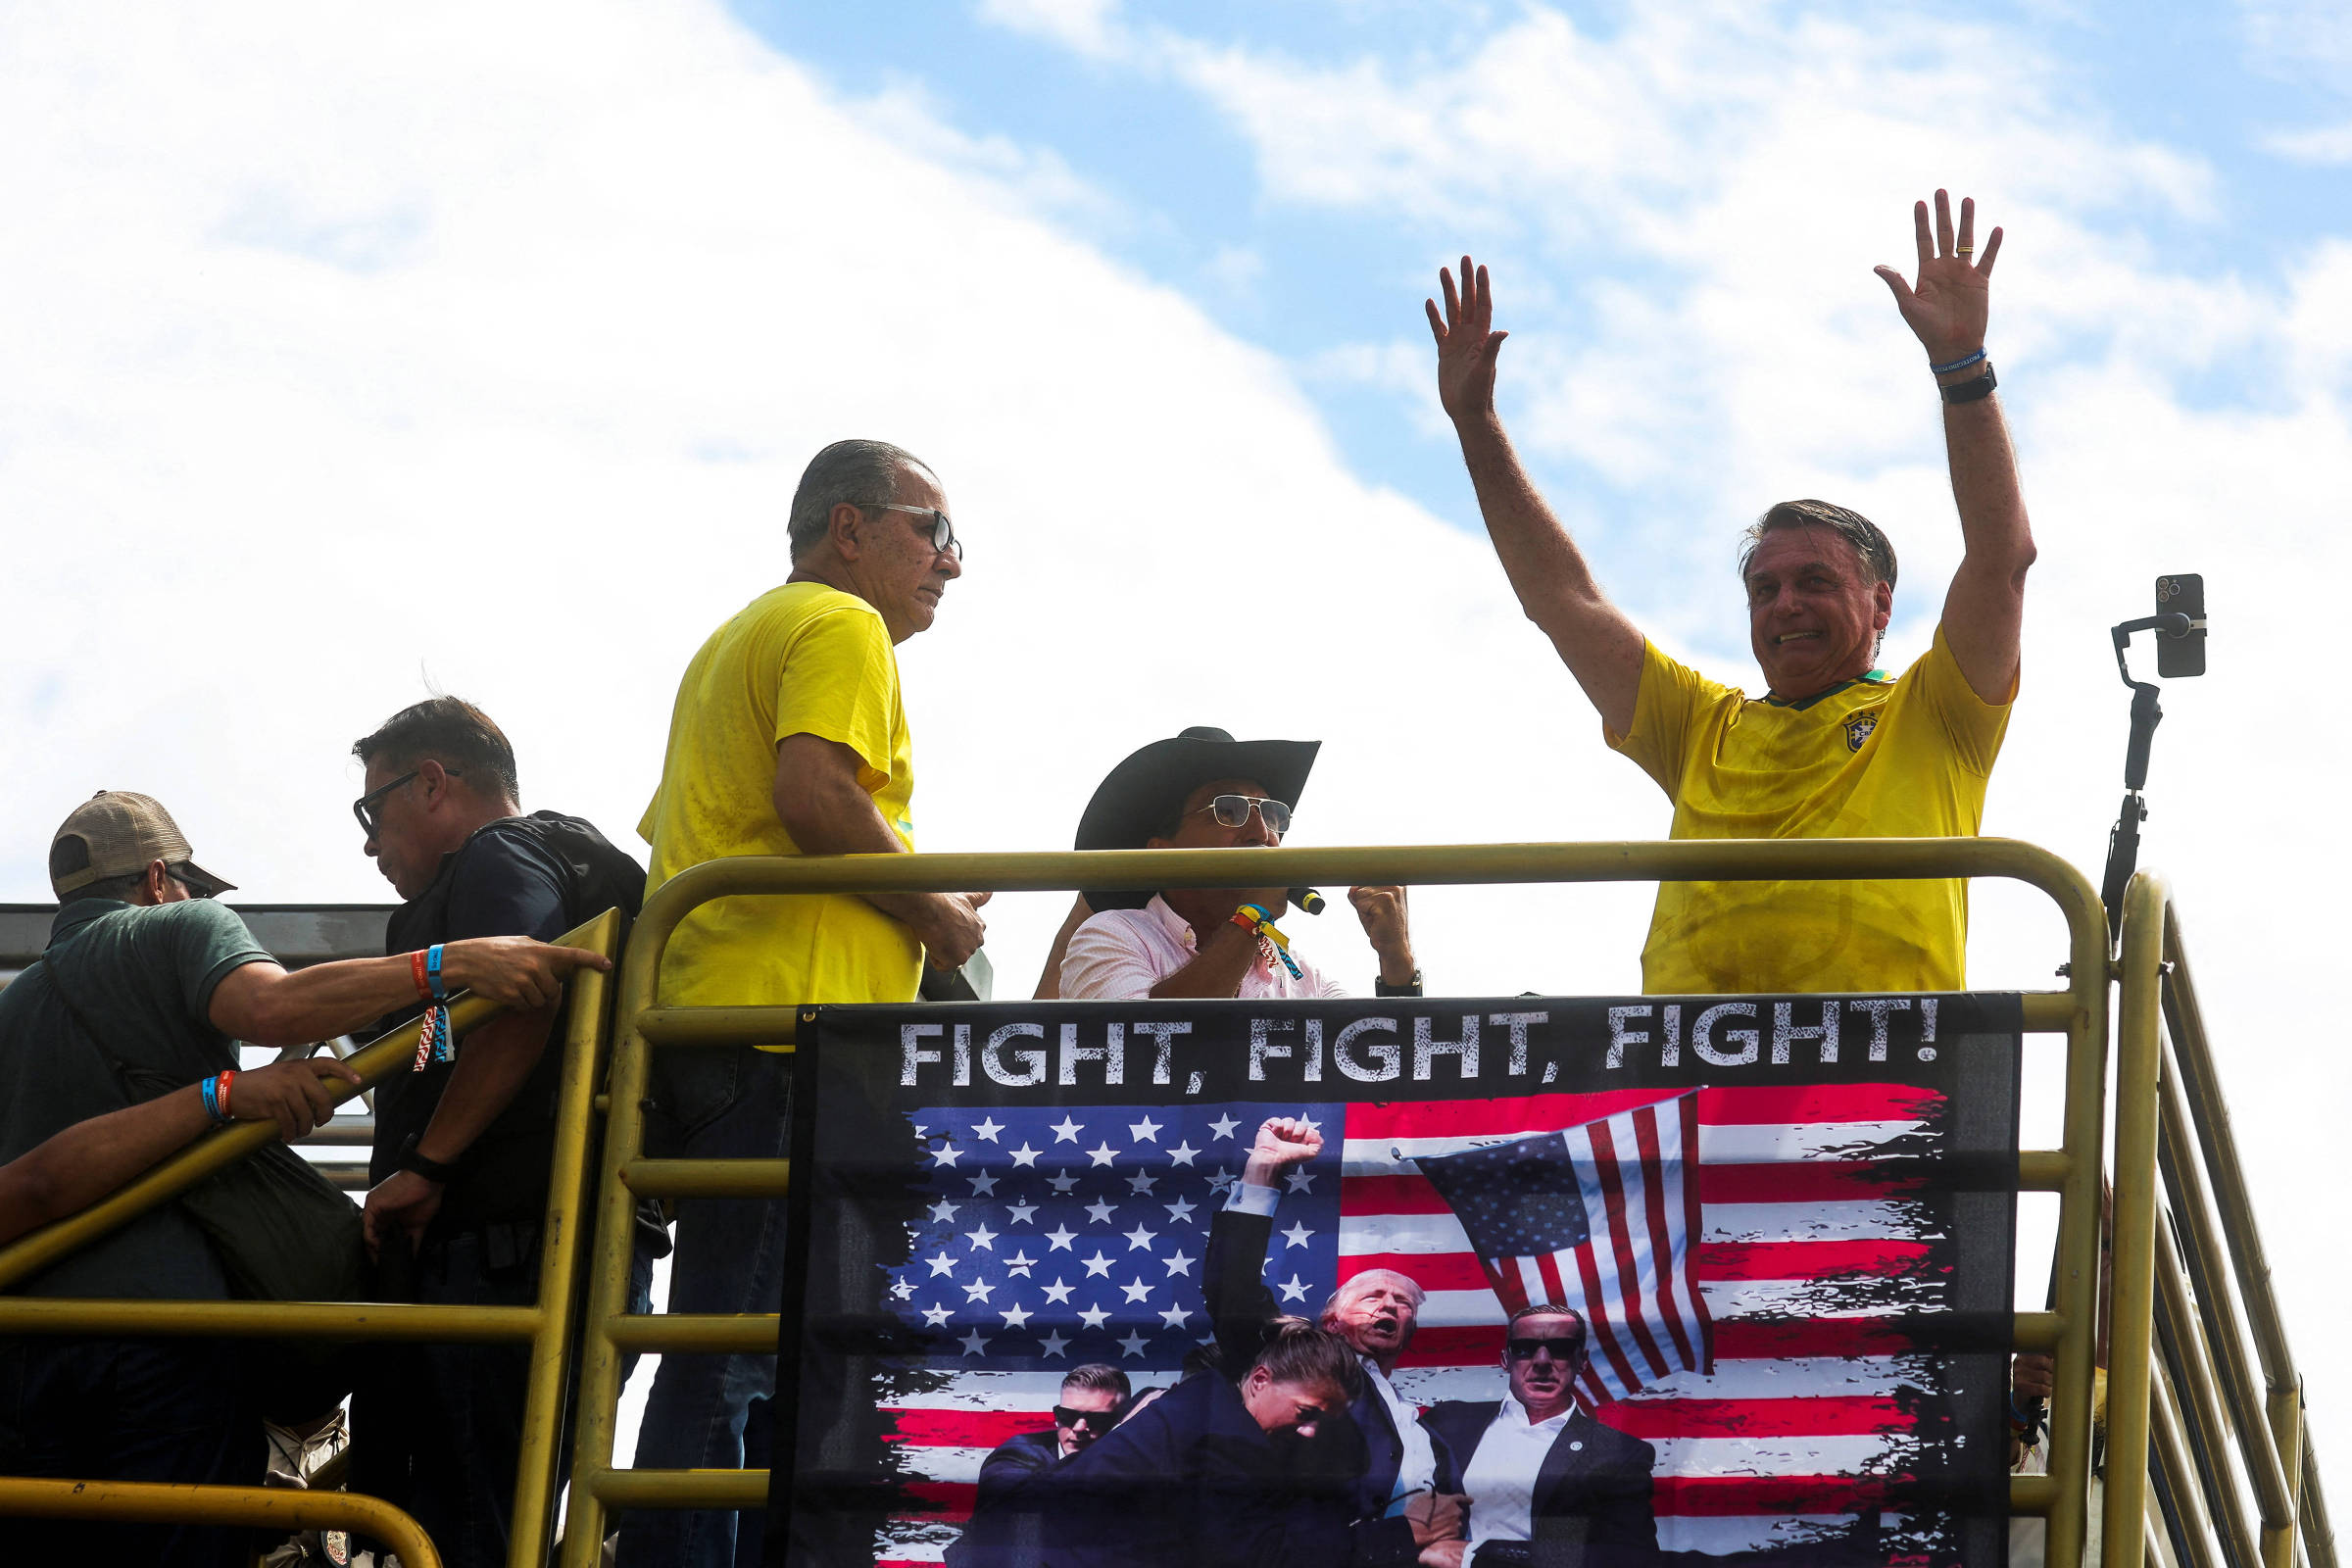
[1204,789]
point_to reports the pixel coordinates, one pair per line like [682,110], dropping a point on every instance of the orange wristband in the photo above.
[425,987]
[227,1078]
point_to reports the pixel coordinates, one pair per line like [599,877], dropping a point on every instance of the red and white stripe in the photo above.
[1801,1251]
[1632,1278]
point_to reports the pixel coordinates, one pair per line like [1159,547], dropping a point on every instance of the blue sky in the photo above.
[1173,187]
[366,353]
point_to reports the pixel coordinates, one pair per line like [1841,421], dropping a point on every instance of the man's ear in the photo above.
[432,782]
[844,526]
[1882,605]
[157,884]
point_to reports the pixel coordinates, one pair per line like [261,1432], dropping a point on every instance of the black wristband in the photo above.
[432,1170]
[1968,391]
[1411,988]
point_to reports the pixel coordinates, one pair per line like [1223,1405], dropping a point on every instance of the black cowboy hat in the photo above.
[1137,800]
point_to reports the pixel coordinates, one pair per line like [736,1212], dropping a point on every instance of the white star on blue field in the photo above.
[1071,1234]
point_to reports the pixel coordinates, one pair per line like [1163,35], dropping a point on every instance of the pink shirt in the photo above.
[1125,953]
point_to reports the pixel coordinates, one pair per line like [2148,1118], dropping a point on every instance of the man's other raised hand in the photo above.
[1947,307]
[1467,344]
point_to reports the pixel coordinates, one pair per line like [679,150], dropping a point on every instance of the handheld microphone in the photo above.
[1306,898]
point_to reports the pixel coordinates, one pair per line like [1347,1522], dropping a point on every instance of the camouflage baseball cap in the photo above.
[115,833]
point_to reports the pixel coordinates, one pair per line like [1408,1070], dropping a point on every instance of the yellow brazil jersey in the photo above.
[803,658]
[1872,758]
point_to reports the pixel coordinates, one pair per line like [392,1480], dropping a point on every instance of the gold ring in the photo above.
[1964,250]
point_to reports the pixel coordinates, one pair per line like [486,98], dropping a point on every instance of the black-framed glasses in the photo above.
[1564,1349]
[1096,1421]
[1231,811]
[943,532]
[368,807]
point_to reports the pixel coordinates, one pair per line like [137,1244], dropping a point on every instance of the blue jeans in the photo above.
[128,1410]
[718,1105]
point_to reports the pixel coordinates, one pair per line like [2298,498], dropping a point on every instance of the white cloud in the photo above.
[1683,217]
[2323,145]
[351,349]
[1087,27]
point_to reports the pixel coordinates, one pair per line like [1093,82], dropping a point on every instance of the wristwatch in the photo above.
[1968,391]
[1411,988]
[432,1170]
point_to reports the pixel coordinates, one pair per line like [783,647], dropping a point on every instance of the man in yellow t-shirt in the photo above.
[1833,748]
[788,738]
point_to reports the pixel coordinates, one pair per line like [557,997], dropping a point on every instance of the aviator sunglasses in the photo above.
[943,532]
[1231,811]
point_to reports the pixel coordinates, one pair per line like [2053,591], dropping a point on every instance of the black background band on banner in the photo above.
[855,1153]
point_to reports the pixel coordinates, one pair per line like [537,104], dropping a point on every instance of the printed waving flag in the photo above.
[1598,1217]
[1797,1270]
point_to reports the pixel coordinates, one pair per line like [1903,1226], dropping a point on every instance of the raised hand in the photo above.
[1282,1142]
[1467,344]
[1947,307]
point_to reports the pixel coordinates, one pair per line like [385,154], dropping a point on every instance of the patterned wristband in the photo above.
[425,987]
[226,1080]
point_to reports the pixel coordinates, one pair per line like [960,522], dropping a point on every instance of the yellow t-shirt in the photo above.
[803,658]
[1873,759]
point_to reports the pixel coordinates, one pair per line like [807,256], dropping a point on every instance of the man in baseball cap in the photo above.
[145,988]
[112,838]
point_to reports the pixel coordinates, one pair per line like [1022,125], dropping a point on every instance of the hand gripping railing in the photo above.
[2174,1309]
[2072,1171]
[547,1326]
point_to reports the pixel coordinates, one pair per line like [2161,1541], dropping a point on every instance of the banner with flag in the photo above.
[1787,1223]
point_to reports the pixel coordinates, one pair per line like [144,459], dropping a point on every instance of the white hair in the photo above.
[1358,1284]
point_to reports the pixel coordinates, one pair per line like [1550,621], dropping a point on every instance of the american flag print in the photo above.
[1815,1251]
[1598,1217]
[1800,1289]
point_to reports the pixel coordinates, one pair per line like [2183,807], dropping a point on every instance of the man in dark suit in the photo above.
[1549,1487]
[1005,1528]
[1218,1472]
[1389,1462]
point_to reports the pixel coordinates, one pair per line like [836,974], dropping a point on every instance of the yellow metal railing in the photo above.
[2073,1171]
[2181,1377]
[2178,1357]
[546,1327]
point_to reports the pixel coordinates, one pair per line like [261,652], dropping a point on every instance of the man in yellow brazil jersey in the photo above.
[788,738]
[1834,748]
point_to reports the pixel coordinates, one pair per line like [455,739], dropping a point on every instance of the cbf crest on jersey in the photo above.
[1858,728]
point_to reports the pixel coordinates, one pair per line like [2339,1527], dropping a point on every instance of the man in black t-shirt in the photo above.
[463,1147]
[143,990]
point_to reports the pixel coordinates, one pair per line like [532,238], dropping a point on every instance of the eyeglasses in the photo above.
[943,532]
[1233,811]
[366,806]
[1561,1349]
[1096,1421]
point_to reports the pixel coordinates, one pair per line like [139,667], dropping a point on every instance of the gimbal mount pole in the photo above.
[2123,843]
